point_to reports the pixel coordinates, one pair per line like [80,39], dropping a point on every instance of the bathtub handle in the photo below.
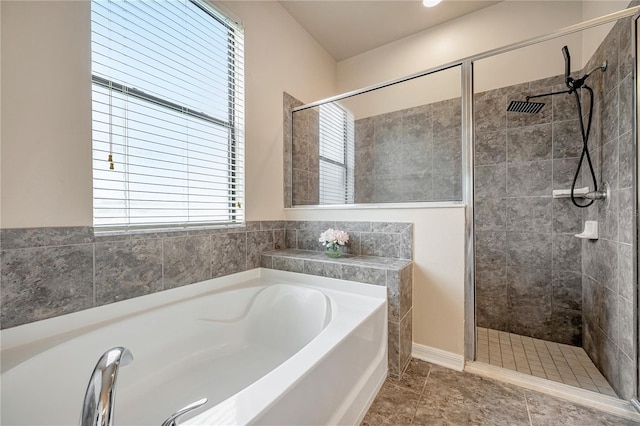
[173,419]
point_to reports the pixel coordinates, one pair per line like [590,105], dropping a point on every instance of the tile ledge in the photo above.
[351,260]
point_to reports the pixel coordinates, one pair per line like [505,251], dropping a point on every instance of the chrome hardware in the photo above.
[99,399]
[602,194]
[173,419]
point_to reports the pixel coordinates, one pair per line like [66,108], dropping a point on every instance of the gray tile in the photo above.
[363,134]
[127,269]
[529,179]
[529,250]
[490,181]
[529,214]
[363,274]
[393,405]
[610,163]
[390,227]
[490,113]
[625,326]
[566,327]
[447,119]
[309,240]
[447,183]
[272,224]
[279,239]
[564,106]
[564,171]
[567,218]
[257,243]
[417,126]
[625,265]
[393,351]
[228,254]
[567,290]
[40,283]
[626,215]
[406,289]
[15,238]
[625,160]
[414,377]
[266,261]
[381,244]
[626,115]
[490,214]
[567,139]
[414,158]
[322,269]
[547,410]
[288,264]
[491,247]
[625,388]
[529,286]
[406,330]
[491,296]
[186,260]
[393,295]
[490,147]
[529,143]
[453,398]
[567,252]
[610,117]
[291,238]
[625,48]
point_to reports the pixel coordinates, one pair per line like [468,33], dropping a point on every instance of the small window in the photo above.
[168,124]
[337,136]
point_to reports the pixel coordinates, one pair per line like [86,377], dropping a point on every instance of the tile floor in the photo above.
[432,395]
[554,361]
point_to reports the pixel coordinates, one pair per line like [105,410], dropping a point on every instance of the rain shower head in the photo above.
[525,106]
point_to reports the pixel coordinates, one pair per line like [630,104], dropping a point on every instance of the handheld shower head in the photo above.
[567,66]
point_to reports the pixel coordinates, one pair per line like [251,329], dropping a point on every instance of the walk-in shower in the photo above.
[554,267]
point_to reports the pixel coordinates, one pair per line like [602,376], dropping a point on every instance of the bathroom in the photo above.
[47,172]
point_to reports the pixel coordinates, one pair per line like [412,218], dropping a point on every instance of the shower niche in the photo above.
[395,144]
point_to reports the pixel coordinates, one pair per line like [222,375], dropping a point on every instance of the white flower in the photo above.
[332,237]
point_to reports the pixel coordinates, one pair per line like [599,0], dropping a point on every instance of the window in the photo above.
[168,125]
[337,136]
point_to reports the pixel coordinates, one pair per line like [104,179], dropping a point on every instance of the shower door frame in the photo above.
[468,177]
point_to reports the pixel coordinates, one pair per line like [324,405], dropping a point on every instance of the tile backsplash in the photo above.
[47,272]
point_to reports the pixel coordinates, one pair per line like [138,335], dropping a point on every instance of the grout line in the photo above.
[526,404]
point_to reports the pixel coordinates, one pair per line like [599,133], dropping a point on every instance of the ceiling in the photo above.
[348,28]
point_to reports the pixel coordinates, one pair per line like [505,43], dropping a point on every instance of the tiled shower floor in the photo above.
[554,361]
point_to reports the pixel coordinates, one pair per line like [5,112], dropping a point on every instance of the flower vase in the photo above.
[333,251]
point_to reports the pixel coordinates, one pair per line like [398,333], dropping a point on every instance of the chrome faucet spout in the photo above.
[99,399]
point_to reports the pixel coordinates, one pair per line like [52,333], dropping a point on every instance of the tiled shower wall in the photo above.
[607,264]
[528,278]
[47,272]
[305,157]
[409,155]
[532,276]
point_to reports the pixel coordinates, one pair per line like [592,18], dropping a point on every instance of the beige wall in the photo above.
[46,171]
[46,114]
[280,56]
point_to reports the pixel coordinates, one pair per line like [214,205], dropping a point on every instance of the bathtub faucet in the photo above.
[97,407]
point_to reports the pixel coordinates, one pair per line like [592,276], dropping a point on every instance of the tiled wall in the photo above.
[607,264]
[305,155]
[532,276]
[410,155]
[384,239]
[528,278]
[46,272]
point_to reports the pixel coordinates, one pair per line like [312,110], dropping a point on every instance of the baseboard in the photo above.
[438,357]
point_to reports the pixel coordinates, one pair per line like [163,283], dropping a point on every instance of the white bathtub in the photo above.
[265,347]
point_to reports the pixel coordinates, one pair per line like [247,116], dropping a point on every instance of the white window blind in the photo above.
[337,140]
[168,125]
